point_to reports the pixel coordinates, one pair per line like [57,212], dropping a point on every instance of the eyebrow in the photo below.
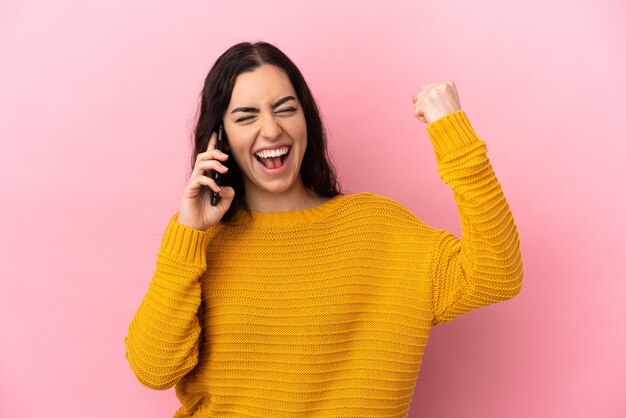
[255,110]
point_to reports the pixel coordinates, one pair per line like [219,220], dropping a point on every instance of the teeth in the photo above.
[273,153]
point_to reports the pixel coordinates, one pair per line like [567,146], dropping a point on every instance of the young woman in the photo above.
[288,298]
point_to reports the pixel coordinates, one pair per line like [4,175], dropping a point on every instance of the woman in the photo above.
[288,298]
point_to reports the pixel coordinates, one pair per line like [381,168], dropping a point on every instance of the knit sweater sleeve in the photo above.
[162,342]
[485,265]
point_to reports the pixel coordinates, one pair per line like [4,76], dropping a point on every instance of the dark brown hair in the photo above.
[316,170]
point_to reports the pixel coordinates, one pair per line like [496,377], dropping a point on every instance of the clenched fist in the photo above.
[435,101]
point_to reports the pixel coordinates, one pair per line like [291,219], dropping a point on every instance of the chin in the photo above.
[277,187]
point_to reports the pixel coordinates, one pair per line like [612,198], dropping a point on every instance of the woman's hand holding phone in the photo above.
[196,210]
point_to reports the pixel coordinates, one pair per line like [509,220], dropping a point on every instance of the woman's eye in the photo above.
[289,109]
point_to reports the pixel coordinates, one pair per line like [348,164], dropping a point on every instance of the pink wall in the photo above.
[96,108]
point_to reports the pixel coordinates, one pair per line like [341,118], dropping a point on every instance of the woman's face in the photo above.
[266,130]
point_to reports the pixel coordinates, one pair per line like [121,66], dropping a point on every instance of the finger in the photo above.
[422,94]
[430,85]
[420,117]
[208,169]
[211,165]
[208,181]
[419,114]
[213,154]
[212,141]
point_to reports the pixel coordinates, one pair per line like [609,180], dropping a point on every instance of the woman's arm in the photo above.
[162,343]
[485,265]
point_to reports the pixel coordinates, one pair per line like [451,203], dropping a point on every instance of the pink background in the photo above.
[96,109]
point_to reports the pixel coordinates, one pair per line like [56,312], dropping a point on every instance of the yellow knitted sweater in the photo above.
[323,312]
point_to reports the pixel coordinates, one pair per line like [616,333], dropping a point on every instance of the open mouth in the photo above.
[273,159]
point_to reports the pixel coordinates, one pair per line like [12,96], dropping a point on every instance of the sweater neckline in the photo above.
[288,218]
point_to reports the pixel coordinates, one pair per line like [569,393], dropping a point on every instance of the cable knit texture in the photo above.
[326,311]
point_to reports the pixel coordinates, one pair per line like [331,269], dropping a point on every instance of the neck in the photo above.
[295,198]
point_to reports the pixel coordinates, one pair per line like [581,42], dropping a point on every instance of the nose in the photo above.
[269,127]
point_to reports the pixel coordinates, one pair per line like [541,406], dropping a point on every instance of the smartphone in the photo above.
[216,174]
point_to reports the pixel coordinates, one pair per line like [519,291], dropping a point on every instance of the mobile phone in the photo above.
[216,174]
